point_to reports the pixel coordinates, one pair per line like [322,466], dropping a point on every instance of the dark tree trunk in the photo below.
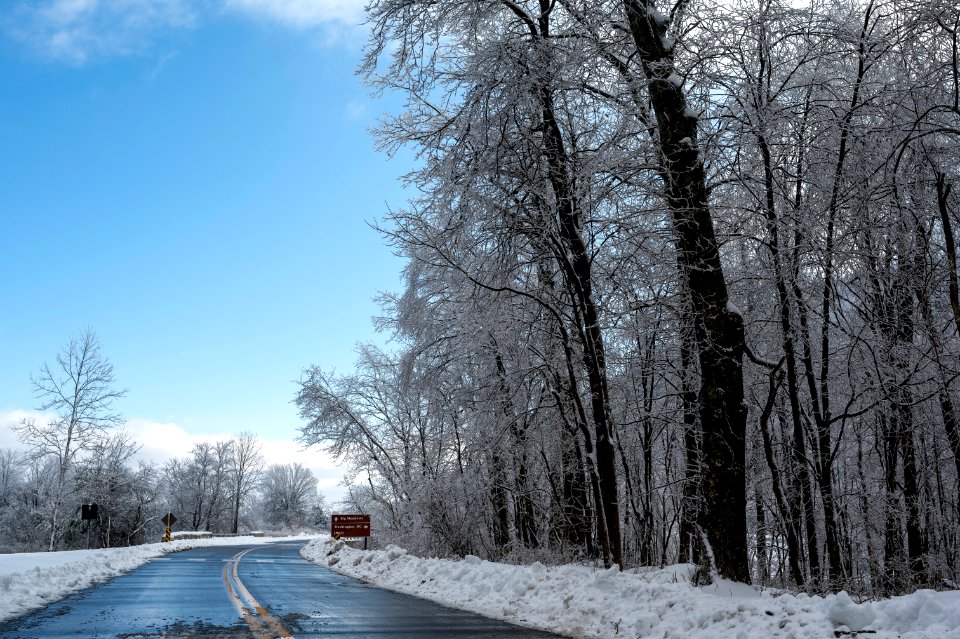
[498,499]
[893,319]
[949,413]
[893,579]
[833,536]
[586,460]
[947,407]
[524,509]
[576,518]
[578,277]
[790,523]
[720,331]
[802,511]
[943,194]
[642,507]
[574,261]
[916,543]
[524,518]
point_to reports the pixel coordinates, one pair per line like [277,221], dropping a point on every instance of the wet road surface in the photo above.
[255,592]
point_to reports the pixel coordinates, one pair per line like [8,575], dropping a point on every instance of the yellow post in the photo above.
[167,536]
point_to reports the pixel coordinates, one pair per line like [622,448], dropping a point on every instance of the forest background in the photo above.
[681,285]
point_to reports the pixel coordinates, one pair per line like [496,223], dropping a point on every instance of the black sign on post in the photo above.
[168,519]
[88,512]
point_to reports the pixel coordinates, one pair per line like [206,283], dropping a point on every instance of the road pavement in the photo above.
[254,592]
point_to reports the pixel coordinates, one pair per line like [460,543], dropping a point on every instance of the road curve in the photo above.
[253,592]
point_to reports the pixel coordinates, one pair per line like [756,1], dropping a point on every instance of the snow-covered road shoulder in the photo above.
[35,579]
[580,601]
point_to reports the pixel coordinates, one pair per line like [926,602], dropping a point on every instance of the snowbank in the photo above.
[35,579]
[580,601]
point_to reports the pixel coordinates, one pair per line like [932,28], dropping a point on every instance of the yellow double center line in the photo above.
[262,623]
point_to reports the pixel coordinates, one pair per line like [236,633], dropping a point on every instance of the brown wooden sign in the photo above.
[350,526]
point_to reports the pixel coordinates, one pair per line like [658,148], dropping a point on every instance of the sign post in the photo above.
[168,521]
[350,526]
[88,512]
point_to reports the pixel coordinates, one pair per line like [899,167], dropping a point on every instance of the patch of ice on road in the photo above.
[656,603]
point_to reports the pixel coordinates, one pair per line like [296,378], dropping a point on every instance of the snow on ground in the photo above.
[34,579]
[581,601]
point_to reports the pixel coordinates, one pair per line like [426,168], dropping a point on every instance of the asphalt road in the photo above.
[255,592]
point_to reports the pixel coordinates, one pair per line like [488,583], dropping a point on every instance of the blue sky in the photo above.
[193,180]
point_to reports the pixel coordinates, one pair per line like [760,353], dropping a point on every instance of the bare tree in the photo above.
[79,390]
[199,486]
[246,466]
[289,492]
[719,326]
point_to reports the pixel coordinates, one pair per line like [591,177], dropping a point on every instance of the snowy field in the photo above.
[34,579]
[579,601]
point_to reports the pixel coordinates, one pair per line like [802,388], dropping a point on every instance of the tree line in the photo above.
[681,285]
[79,454]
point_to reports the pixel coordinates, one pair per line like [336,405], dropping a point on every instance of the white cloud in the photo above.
[302,13]
[160,441]
[163,441]
[76,31]
[11,418]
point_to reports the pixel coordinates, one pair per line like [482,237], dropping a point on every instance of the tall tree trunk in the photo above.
[576,518]
[524,518]
[893,317]
[790,523]
[802,487]
[580,416]
[720,331]
[801,511]
[578,277]
[499,493]
[824,474]
[943,193]
[235,527]
[947,406]
[892,578]
[916,540]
